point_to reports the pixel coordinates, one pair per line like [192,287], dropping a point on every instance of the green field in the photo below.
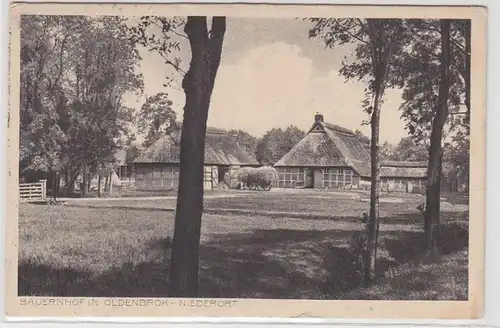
[121,248]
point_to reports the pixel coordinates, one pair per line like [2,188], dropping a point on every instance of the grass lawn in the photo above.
[78,251]
[347,205]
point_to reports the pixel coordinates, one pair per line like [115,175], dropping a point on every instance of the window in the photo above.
[301,170]
[348,177]
[337,177]
[290,177]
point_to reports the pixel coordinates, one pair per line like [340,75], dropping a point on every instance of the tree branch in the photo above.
[169,31]
[346,30]
[168,61]
[460,47]
[362,25]
[176,67]
[56,81]
[179,34]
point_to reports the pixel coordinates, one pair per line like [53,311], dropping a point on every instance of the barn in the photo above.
[158,166]
[333,157]
[403,176]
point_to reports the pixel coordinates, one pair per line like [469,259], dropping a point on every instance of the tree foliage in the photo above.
[75,71]
[456,158]
[156,117]
[276,142]
[163,36]
[420,62]
[405,150]
[436,100]
[131,153]
[247,141]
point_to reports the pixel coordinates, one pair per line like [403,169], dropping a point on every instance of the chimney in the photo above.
[318,117]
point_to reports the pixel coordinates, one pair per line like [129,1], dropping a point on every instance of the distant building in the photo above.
[158,166]
[333,157]
[403,176]
[122,170]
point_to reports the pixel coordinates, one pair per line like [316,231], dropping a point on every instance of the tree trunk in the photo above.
[69,188]
[110,188]
[433,194]
[89,179]
[106,184]
[382,48]
[467,76]
[71,183]
[54,188]
[83,187]
[58,185]
[99,185]
[373,223]
[198,84]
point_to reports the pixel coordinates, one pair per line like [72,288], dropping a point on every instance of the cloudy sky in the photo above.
[273,75]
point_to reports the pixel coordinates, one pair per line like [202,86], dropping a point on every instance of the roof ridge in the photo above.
[338,128]
[210,129]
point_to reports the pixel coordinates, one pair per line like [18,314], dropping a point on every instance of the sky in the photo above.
[272,75]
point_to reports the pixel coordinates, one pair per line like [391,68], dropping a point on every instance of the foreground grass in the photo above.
[74,251]
[339,204]
[444,278]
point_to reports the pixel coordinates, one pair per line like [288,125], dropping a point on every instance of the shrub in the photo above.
[357,246]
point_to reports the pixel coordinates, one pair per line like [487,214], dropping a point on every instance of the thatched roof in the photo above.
[403,169]
[329,145]
[404,164]
[403,172]
[221,148]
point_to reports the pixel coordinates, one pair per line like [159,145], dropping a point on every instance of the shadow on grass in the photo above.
[277,263]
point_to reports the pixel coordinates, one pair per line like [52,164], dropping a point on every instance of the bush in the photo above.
[357,246]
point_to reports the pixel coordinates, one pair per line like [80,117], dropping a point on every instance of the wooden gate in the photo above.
[33,192]
[210,177]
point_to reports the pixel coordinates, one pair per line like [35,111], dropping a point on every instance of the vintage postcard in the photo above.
[237,160]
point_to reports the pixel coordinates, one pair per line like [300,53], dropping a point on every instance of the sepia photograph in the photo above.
[305,154]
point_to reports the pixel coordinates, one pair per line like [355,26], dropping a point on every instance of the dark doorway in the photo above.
[223,176]
[309,177]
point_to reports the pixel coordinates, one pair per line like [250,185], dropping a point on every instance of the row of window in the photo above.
[337,177]
[157,176]
[156,173]
[402,181]
[403,184]
[291,177]
[332,177]
[339,170]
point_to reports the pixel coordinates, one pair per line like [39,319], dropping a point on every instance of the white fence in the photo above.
[33,192]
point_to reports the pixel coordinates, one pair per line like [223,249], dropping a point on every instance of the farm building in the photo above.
[403,176]
[332,157]
[158,166]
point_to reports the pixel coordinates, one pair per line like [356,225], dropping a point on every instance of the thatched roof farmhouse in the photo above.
[328,145]
[158,166]
[330,156]
[221,148]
